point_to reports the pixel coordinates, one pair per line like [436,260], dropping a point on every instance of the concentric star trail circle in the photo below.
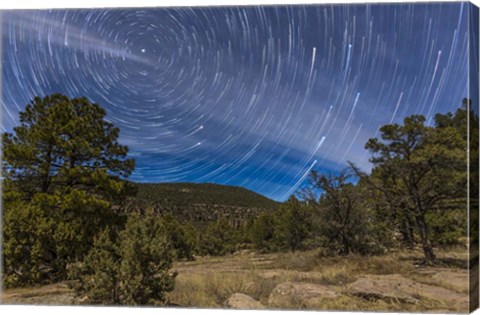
[246,96]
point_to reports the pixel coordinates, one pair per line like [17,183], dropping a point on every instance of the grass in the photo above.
[53,294]
[342,270]
[208,290]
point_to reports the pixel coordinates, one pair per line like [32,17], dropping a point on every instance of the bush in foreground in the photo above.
[133,270]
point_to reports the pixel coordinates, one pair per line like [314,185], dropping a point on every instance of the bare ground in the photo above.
[304,280]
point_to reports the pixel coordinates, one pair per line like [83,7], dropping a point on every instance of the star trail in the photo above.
[247,96]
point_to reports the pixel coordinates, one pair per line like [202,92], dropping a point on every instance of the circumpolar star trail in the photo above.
[246,96]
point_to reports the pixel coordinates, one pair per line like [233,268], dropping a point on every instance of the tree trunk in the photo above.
[407,232]
[426,244]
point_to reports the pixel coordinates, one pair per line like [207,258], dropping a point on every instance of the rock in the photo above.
[299,294]
[381,287]
[243,301]
[398,288]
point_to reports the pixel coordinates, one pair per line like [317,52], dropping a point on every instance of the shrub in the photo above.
[134,270]
[182,237]
[263,231]
[218,239]
[292,225]
[39,234]
[99,272]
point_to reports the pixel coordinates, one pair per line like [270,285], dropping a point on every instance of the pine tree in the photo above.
[65,143]
[64,171]
[420,167]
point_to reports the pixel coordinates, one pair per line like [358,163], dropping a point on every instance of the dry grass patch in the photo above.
[381,265]
[353,303]
[205,290]
[336,276]
[190,291]
[344,269]
[52,294]
[51,289]
[299,261]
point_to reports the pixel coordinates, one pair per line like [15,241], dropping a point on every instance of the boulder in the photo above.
[398,288]
[243,301]
[299,294]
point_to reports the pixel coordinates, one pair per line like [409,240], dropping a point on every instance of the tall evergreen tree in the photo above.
[64,170]
[420,167]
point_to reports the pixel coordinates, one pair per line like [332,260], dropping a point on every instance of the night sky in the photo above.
[247,96]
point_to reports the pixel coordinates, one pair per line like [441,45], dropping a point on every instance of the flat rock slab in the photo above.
[396,287]
[243,301]
[288,294]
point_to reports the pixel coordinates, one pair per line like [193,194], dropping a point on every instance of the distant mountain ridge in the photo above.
[200,202]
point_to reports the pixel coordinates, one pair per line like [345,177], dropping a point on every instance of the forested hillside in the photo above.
[186,194]
[199,203]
